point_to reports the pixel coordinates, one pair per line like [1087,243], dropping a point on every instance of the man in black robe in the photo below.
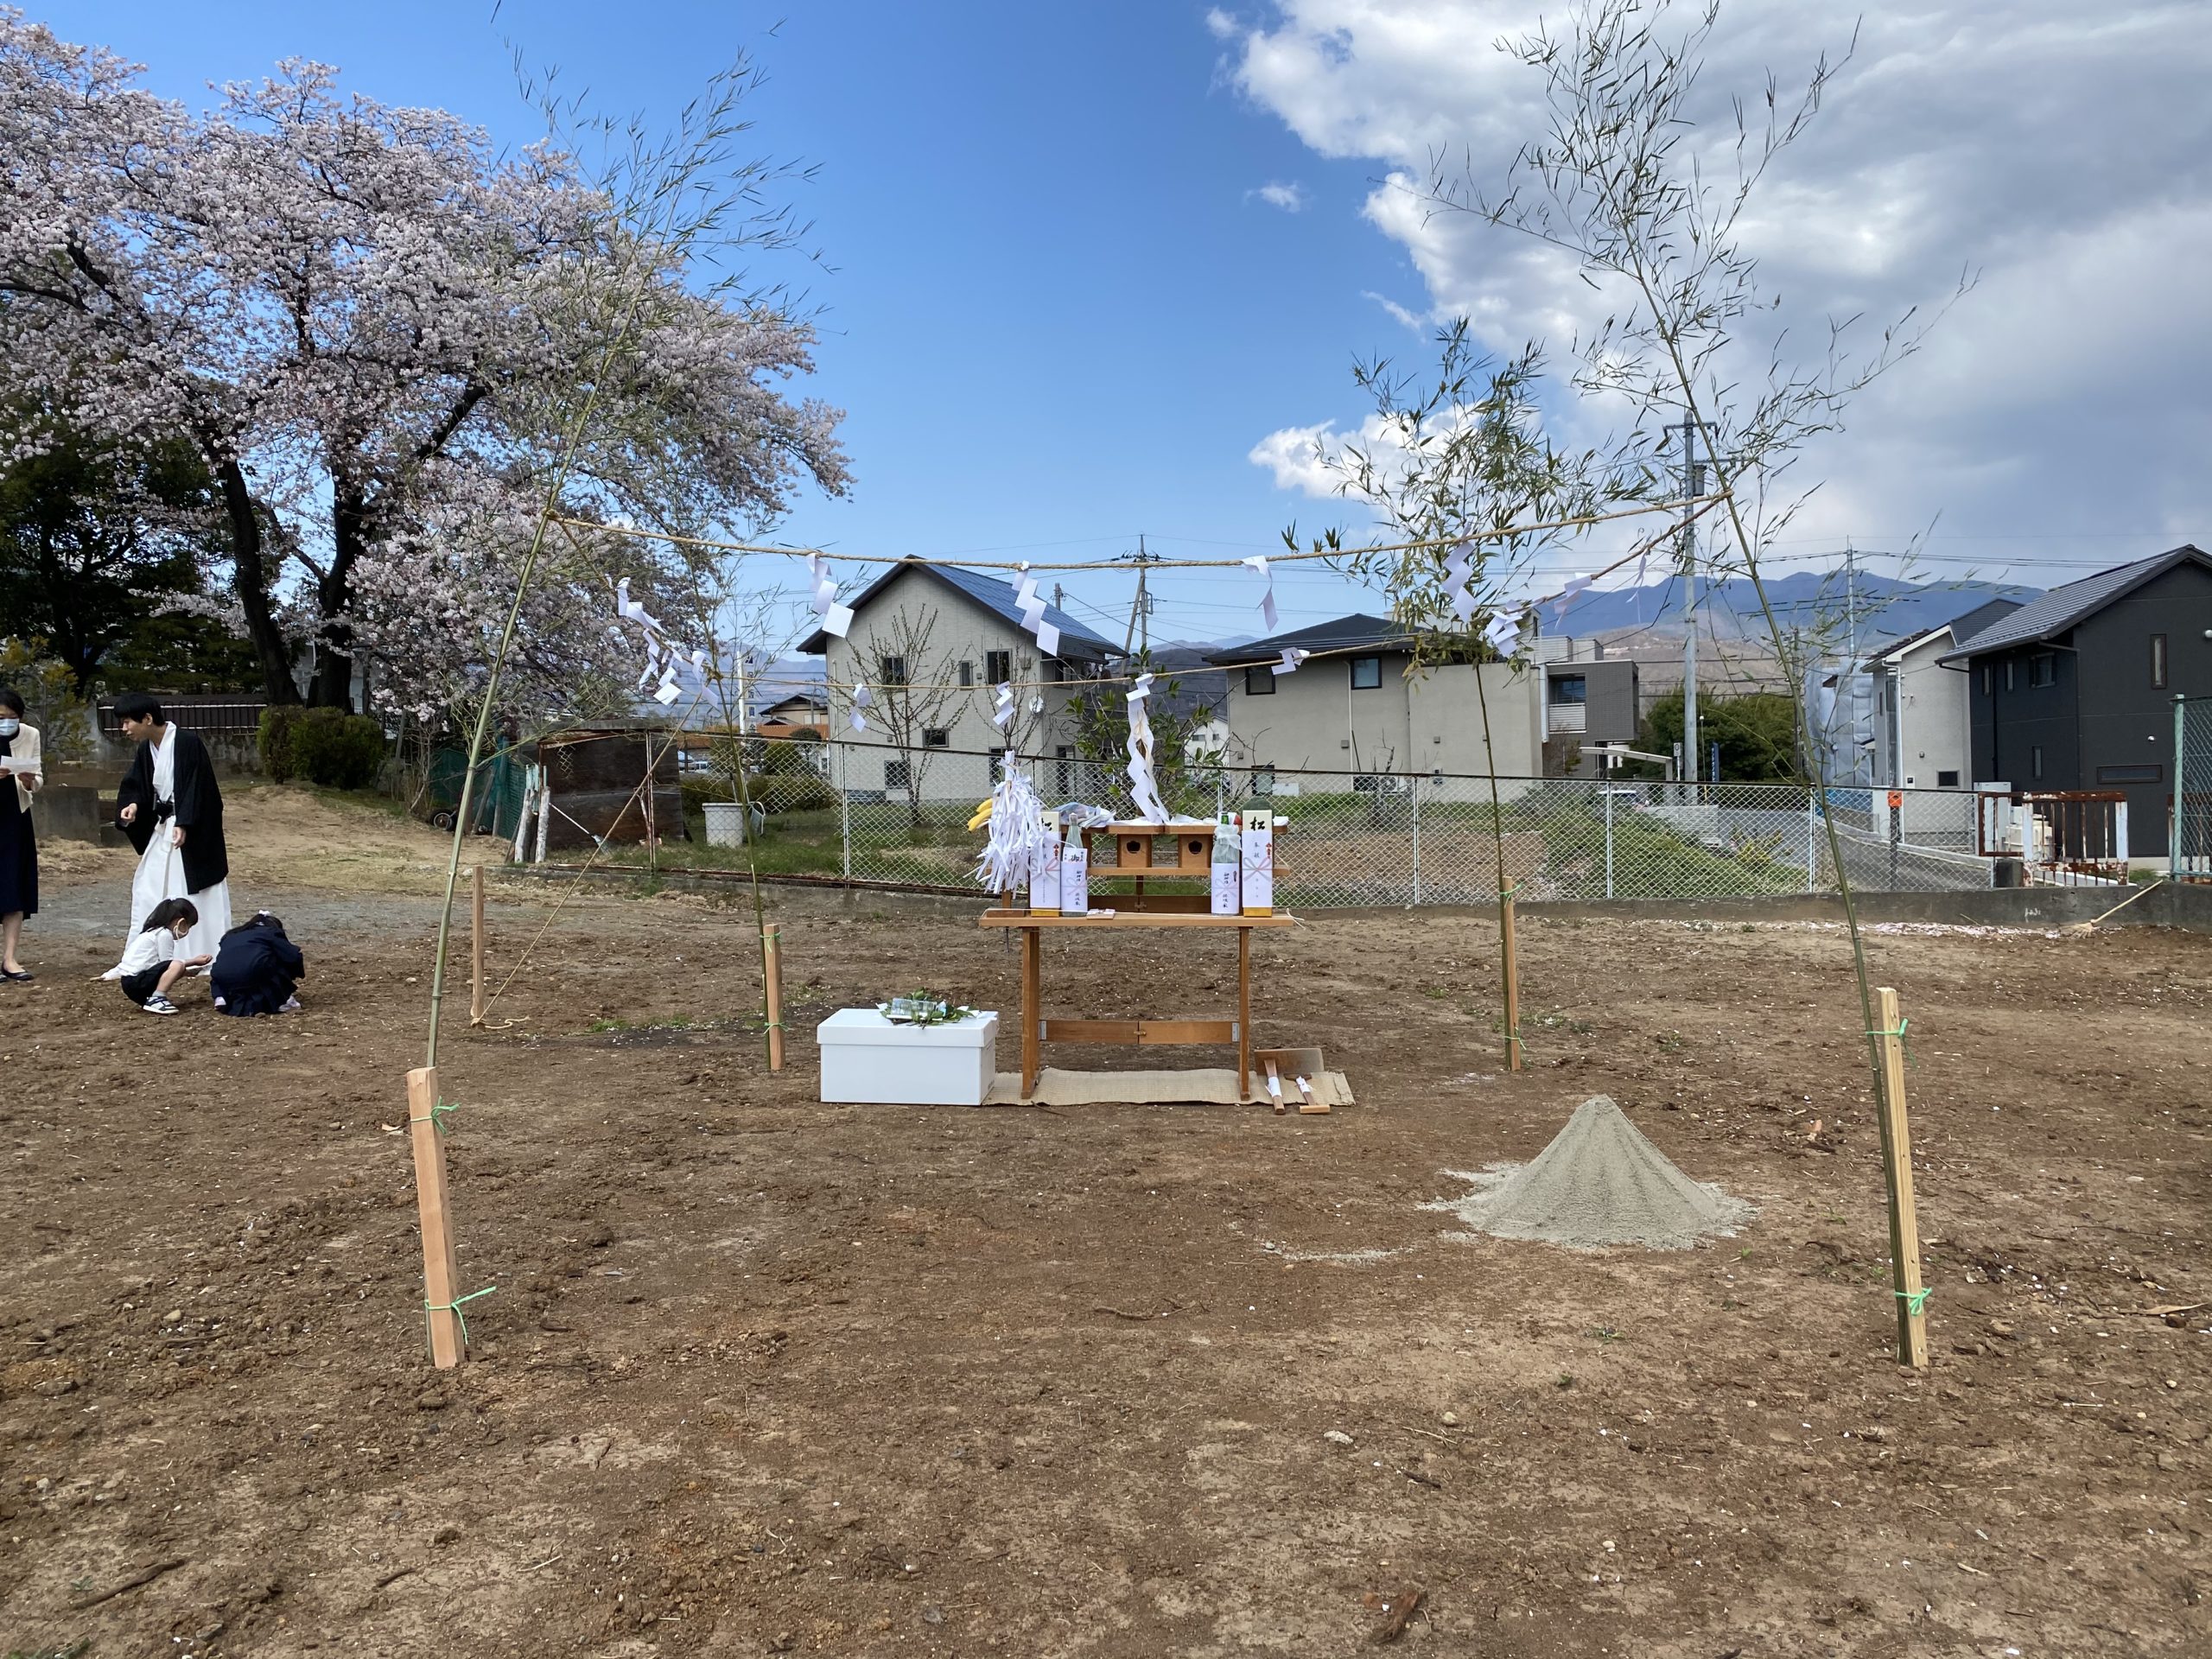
[172,811]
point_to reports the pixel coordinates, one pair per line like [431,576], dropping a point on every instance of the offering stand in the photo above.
[1139,861]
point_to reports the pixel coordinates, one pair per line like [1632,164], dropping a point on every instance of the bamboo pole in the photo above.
[771,967]
[441,1273]
[1509,955]
[476,946]
[1897,1163]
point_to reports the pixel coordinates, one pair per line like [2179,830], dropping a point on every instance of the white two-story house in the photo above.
[929,642]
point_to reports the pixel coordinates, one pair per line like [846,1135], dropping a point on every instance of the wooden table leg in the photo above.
[1032,1013]
[1243,1010]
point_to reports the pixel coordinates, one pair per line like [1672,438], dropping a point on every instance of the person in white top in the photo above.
[151,963]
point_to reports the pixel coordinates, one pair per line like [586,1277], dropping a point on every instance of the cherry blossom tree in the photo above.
[371,326]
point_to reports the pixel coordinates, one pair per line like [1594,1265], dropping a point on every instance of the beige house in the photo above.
[1353,707]
[929,642]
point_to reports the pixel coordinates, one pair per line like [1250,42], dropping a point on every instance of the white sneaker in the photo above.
[158,1004]
[291,1006]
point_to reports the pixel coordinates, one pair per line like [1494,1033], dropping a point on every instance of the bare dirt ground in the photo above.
[765,1376]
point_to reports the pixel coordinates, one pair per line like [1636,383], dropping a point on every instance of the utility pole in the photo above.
[1693,486]
[1140,612]
[1847,682]
[1851,599]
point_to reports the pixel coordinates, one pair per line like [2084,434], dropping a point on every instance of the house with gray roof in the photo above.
[930,641]
[1354,706]
[2075,691]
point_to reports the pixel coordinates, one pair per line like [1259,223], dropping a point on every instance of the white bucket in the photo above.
[725,823]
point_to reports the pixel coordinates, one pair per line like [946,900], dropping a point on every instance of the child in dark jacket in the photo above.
[255,969]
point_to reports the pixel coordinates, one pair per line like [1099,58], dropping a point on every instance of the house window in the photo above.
[1947,780]
[2035,762]
[1260,682]
[1264,781]
[2008,675]
[895,774]
[2131,775]
[1988,681]
[967,673]
[1570,688]
[1064,764]
[891,671]
[998,667]
[1366,673]
[2158,662]
[2043,668]
[936,737]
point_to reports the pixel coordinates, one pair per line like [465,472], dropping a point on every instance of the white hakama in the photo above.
[161,871]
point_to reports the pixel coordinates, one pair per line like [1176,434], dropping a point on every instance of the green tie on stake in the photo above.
[1911,1296]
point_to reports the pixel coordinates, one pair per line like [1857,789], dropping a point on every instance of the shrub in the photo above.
[274,740]
[336,750]
[771,792]
[792,791]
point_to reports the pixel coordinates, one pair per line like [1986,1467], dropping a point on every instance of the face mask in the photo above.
[9,726]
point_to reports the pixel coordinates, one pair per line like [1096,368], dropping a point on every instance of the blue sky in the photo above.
[1058,314]
[1062,313]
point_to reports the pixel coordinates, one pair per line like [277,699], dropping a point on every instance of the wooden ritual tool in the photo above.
[1300,1066]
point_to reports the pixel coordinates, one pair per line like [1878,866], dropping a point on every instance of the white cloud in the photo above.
[1399,314]
[2062,153]
[1291,197]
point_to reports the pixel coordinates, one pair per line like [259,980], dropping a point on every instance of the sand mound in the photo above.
[1598,1183]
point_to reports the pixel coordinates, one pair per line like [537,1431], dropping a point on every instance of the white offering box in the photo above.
[1257,843]
[866,1060]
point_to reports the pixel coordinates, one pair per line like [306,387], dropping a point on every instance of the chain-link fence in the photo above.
[875,813]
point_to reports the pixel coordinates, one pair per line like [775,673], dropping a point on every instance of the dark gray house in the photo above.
[2076,690]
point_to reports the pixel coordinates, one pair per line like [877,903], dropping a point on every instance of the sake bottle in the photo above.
[1045,870]
[1228,864]
[1075,875]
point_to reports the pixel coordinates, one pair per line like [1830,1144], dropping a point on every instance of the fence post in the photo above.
[1896,832]
[2181,774]
[1605,790]
[844,811]
[1812,837]
[1416,792]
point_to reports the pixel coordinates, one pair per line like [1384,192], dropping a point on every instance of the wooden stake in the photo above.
[440,1274]
[772,968]
[1897,1163]
[476,946]
[1511,960]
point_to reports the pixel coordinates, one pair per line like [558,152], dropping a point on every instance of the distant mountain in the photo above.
[1199,685]
[1886,608]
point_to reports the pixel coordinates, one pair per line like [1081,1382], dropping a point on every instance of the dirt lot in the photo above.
[764,1375]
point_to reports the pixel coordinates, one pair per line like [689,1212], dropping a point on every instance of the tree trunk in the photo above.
[333,686]
[252,574]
